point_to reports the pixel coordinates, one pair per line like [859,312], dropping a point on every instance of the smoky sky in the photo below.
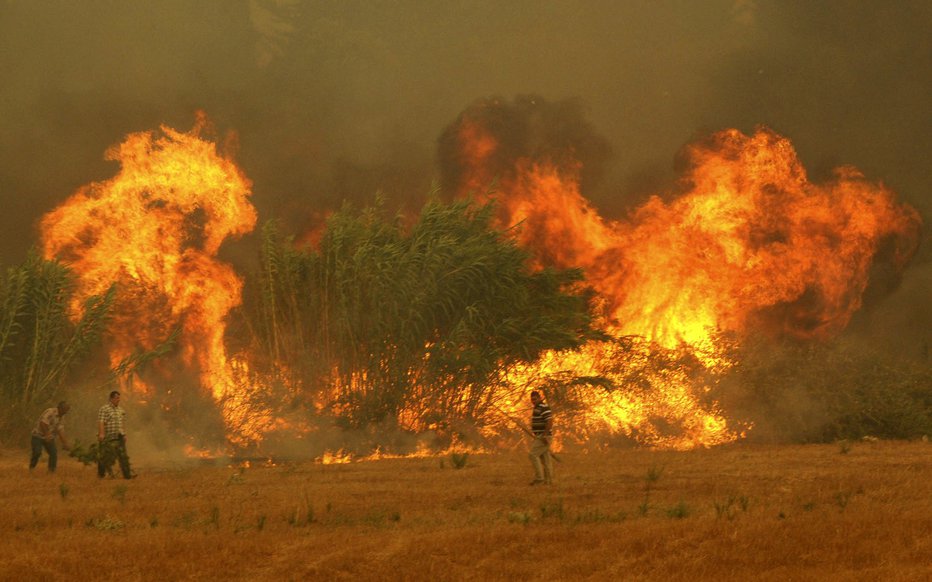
[338,100]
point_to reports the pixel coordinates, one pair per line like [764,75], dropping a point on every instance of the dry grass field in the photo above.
[741,512]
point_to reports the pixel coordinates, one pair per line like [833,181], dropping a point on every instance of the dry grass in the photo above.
[734,513]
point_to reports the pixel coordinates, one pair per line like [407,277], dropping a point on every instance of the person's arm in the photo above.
[46,433]
[100,430]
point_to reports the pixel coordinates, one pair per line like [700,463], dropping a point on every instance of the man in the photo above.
[48,427]
[542,429]
[111,434]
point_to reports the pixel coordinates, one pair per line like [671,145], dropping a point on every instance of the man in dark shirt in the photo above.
[542,429]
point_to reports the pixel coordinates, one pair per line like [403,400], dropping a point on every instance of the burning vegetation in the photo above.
[432,329]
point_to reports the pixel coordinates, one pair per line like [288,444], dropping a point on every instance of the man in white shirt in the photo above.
[48,427]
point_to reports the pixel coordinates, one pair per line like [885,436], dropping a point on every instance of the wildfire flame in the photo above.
[155,229]
[749,245]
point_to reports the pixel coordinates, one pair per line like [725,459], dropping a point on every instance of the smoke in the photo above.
[336,101]
[529,128]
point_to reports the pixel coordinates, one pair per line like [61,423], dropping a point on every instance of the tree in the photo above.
[410,324]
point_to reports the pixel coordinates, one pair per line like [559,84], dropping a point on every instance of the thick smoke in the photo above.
[527,128]
[340,100]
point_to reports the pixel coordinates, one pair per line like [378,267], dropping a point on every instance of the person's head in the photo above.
[536,398]
[63,408]
[115,397]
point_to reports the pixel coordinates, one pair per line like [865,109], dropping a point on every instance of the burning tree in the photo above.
[415,326]
[39,342]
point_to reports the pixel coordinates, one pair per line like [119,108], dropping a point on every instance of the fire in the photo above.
[749,245]
[155,229]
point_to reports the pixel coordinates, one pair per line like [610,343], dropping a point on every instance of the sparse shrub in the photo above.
[844,446]
[652,476]
[106,523]
[552,510]
[727,508]
[458,460]
[119,493]
[679,511]
[842,498]
[63,491]
[303,516]
[521,517]
[260,522]
[827,392]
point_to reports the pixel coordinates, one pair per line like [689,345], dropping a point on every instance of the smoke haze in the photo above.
[338,100]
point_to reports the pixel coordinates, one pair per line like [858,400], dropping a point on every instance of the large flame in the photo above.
[155,229]
[749,244]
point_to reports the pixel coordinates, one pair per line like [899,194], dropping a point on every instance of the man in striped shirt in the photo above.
[48,427]
[542,429]
[111,433]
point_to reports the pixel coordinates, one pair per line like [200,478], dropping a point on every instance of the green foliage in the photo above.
[679,511]
[119,493]
[39,342]
[106,452]
[729,507]
[433,313]
[829,392]
[458,460]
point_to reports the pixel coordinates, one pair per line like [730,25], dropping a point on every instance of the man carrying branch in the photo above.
[111,433]
[542,430]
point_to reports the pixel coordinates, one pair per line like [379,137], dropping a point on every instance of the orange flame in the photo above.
[750,244]
[155,229]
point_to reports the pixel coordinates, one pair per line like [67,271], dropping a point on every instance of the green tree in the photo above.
[39,342]
[425,317]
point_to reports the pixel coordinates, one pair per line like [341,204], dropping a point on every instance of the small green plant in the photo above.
[105,523]
[679,511]
[63,491]
[652,476]
[728,508]
[302,516]
[458,460]
[842,498]
[119,493]
[725,508]
[153,522]
[552,510]
[214,519]
[844,446]
[260,522]
[521,517]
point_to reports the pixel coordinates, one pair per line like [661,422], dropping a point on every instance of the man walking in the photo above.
[542,430]
[111,434]
[48,427]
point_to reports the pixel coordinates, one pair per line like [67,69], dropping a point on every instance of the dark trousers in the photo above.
[39,443]
[120,445]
